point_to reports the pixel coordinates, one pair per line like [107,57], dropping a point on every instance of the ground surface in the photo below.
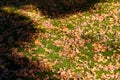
[71,44]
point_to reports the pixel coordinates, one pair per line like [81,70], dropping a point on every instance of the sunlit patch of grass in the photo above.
[88,53]
[61,61]
[10,9]
[117,70]
[39,51]
[56,23]
[99,73]
[108,53]
[97,25]
[63,64]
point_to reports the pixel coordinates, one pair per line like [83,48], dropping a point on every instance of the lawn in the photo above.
[47,41]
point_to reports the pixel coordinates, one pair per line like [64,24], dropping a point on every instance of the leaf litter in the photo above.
[73,62]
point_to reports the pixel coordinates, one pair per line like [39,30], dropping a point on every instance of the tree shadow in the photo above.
[55,8]
[15,31]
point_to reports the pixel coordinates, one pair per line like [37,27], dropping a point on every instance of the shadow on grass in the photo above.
[54,8]
[15,31]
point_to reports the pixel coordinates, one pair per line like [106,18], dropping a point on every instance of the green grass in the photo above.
[97,28]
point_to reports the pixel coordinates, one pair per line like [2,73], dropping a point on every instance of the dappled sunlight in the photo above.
[16,36]
[28,11]
[54,8]
[59,40]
